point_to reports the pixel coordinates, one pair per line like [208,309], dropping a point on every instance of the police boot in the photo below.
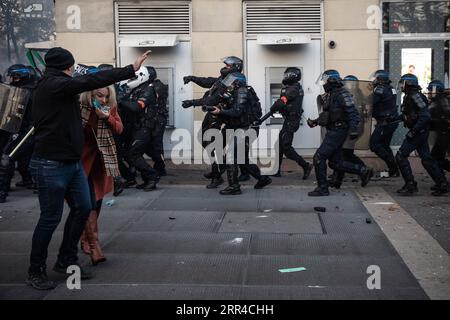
[319,192]
[3,196]
[278,174]
[336,179]
[118,186]
[25,184]
[264,181]
[441,189]
[408,189]
[307,171]
[209,175]
[148,185]
[233,185]
[393,170]
[366,175]
[215,182]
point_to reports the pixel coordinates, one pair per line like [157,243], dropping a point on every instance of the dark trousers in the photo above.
[420,143]
[380,143]
[57,181]
[241,143]
[440,149]
[331,150]
[156,147]
[22,157]
[286,138]
[123,143]
[142,139]
[212,122]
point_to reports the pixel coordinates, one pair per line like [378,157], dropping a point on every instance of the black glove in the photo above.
[187,103]
[311,123]
[187,79]
[256,123]
[277,106]
[411,134]
[354,134]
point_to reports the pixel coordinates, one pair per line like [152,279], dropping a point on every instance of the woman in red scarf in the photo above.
[99,157]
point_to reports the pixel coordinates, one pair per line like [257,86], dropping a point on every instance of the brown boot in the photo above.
[92,237]
[84,245]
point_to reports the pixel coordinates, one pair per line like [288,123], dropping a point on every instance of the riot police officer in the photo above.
[385,113]
[416,118]
[235,114]
[23,77]
[348,148]
[141,101]
[341,118]
[440,122]
[159,116]
[211,121]
[289,105]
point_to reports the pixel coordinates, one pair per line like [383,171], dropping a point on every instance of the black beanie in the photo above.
[59,58]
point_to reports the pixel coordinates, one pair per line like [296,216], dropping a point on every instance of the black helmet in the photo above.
[435,87]
[234,64]
[19,71]
[151,74]
[380,77]
[330,79]
[408,81]
[292,75]
[351,78]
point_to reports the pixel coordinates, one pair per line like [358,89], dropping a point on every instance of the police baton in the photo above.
[21,142]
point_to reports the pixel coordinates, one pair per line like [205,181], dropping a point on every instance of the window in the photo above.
[416,17]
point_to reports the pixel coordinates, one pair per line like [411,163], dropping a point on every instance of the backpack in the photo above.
[254,109]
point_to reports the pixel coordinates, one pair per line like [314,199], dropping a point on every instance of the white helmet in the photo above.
[141,77]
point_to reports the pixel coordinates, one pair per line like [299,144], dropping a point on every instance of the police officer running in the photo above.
[341,118]
[289,105]
[385,113]
[416,118]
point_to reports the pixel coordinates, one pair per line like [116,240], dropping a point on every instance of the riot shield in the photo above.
[13,102]
[362,92]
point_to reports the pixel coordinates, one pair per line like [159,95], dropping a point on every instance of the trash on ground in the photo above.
[110,203]
[368,220]
[394,207]
[172,218]
[384,174]
[267,210]
[320,209]
[236,241]
[292,270]
[261,216]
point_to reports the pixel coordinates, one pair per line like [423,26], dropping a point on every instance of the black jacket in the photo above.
[56,111]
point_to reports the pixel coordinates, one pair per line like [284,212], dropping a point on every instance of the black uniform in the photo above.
[142,101]
[290,107]
[417,118]
[23,154]
[235,115]
[210,121]
[440,123]
[158,116]
[385,113]
[340,115]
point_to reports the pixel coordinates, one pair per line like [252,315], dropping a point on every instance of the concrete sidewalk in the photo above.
[184,241]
